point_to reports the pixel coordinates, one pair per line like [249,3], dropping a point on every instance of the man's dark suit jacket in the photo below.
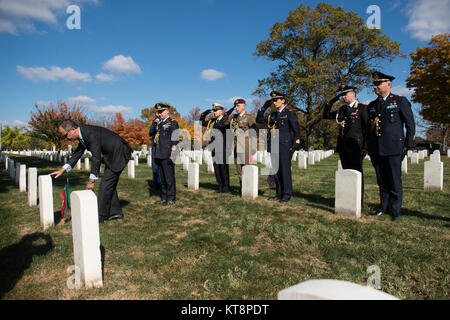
[101,141]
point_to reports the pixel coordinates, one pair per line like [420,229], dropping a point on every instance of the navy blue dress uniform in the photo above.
[388,144]
[286,122]
[221,168]
[161,132]
[353,123]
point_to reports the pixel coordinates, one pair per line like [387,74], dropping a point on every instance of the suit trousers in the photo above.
[108,200]
[167,176]
[222,176]
[350,155]
[389,178]
[283,177]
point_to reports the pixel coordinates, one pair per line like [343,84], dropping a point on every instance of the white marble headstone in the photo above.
[348,193]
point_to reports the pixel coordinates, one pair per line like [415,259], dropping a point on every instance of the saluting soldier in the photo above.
[286,122]
[387,142]
[240,123]
[353,122]
[161,131]
[219,156]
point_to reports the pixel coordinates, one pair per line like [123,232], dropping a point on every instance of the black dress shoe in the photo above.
[395,218]
[101,219]
[285,199]
[376,214]
[226,190]
[115,217]
[274,198]
[170,202]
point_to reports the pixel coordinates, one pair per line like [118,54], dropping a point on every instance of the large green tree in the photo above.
[430,80]
[317,49]
[15,138]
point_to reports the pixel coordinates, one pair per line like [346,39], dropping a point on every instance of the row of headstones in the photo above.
[84,215]
[86,240]
[62,157]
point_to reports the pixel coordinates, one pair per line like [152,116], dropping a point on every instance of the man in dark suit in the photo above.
[218,122]
[161,133]
[389,115]
[106,147]
[353,124]
[284,121]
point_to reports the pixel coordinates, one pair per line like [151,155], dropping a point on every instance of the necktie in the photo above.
[83,143]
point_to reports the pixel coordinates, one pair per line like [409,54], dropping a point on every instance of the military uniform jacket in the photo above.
[287,124]
[161,133]
[243,122]
[214,123]
[355,123]
[106,146]
[386,134]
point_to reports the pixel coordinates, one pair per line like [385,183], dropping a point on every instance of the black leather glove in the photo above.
[206,112]
[404,152]
[363,153]
[266,105]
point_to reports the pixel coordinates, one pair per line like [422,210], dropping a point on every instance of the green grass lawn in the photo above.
[214,246]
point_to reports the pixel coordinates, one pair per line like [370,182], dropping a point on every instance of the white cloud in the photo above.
[121,64]
[19,15]
[212,75]
[44,103]
[52,74]
[428,18]
[17,123]
[229,100]
[103,77]
[83,100]
[111,109]
[402,91]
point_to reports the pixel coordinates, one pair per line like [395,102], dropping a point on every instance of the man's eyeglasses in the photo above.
[67,132]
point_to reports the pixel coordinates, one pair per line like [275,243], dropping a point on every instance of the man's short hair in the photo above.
[68,124]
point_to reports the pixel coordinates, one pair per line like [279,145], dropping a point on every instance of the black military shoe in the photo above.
[226,190]
[274,198]
[285,199]
[376,213]
[115,217]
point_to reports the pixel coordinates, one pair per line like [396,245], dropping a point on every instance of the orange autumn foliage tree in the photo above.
[44,122]
[134,131]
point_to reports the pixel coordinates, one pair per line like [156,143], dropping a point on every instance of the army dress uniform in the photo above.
[353,125]
[244,122]
[221,168]
[162,133]
[387,144]
[286,122]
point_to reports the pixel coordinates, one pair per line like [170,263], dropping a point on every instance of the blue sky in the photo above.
[128,55]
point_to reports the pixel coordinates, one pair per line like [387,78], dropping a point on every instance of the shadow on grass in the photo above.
[411,213]
[17,258]
[6,183]
[153,188]
[317,201]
